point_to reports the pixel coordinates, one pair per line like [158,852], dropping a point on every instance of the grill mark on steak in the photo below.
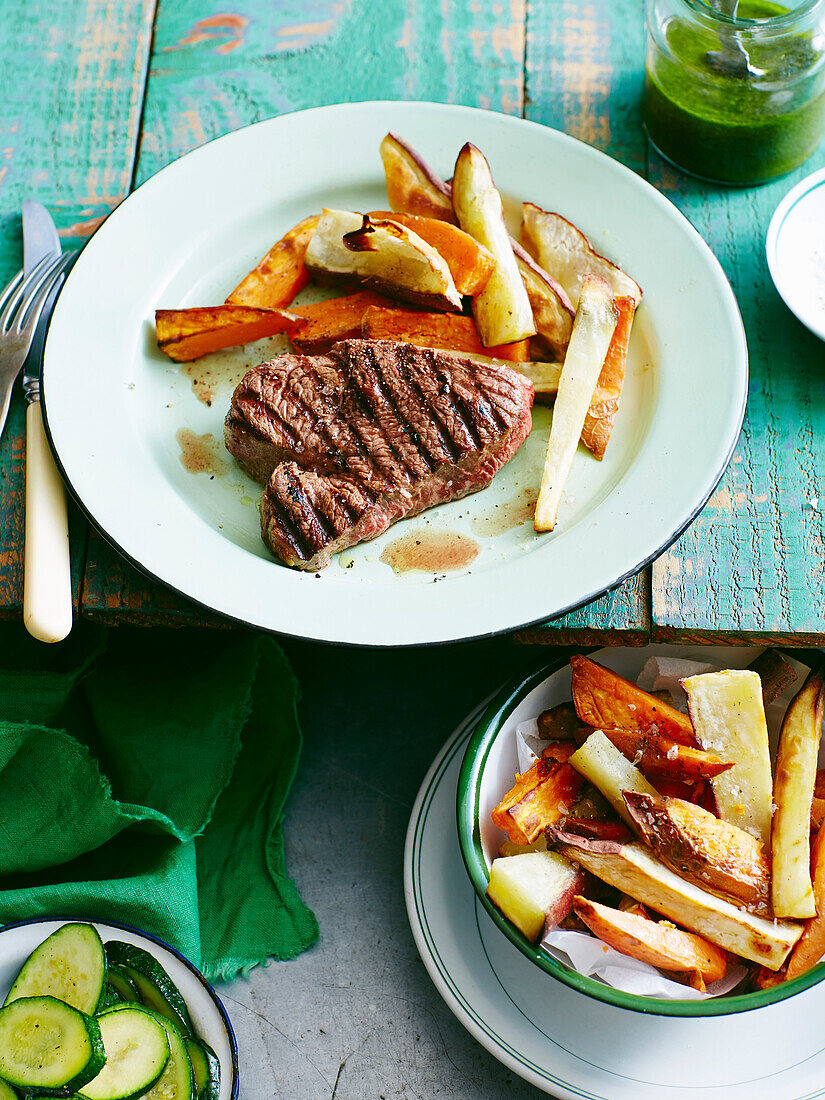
[373,431]
[451,447]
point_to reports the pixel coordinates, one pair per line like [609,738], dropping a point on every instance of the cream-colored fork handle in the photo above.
[47,589]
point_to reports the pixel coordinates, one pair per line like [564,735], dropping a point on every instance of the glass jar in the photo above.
[736,100]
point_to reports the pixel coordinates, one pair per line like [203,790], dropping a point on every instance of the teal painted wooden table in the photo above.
[99,96]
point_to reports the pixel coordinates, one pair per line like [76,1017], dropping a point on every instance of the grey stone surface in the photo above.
[357,1017]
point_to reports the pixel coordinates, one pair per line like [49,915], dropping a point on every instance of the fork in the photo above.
[47,604]
[21,303]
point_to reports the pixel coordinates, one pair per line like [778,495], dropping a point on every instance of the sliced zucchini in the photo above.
[137,1051]
[122,984]
[69,965]
[46,1044]
[206,1069]
[176,1082]
[156,989]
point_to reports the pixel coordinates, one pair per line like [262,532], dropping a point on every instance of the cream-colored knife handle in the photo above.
[47,591]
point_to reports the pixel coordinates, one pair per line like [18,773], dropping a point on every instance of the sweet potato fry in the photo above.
[597,828]
[819,784]
[793,792]
[605,699]
[656,755]
[280,274]
[604,404]
[412,186]
[656,943]
[775,672]
[186,334]
[817,814]
[448,331]
[714,854]
[470,263]
[539,798]
[335,319]
[811,945]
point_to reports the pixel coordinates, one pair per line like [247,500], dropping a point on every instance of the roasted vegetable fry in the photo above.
[659,756]
[539,798]
[559,723]
[186,334]
[597,828]
[470,263]
[793,792]
[659,944]
[349,248]
[604,404]
[335,319]
[545,378]
[603,698]
[502,310]
[535,891]
[593,330]
[729,718]
[567,254]
[601,763]
[775,672]
[811,946]
[448,331]
[631,868]
[714,854]
[280,274]
[412,186]
[553,311]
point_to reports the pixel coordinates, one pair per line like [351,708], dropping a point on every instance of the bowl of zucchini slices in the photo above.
[100,1011]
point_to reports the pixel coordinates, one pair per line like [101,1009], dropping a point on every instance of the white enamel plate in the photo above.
[129,426]
[567,1044]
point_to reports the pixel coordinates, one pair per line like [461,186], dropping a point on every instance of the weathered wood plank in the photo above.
[752,566]
[210,75]
[73,77]
[584,76]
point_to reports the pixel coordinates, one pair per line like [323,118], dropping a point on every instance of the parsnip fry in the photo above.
[502,310]
[729,719]
[545,378]
[601,763]
[281,273]
[658,944]
[694,843]
[592,332]
[795,775]
[553,311]
[604,698]
[632,869]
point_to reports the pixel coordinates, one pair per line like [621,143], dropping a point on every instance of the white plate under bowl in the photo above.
[795,247]
[565,1043]
[114,405]
[209,1017]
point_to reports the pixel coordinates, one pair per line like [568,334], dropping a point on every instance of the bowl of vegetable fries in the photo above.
[644,824]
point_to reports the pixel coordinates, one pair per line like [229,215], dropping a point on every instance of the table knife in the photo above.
[47,583]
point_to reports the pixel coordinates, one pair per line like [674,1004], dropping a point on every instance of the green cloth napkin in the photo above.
[143,775]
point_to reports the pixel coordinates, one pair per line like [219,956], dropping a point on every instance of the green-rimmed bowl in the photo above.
[490,763]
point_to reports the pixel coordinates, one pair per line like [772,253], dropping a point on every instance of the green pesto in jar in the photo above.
[730,128]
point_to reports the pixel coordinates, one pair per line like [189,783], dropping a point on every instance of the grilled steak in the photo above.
[349,442]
